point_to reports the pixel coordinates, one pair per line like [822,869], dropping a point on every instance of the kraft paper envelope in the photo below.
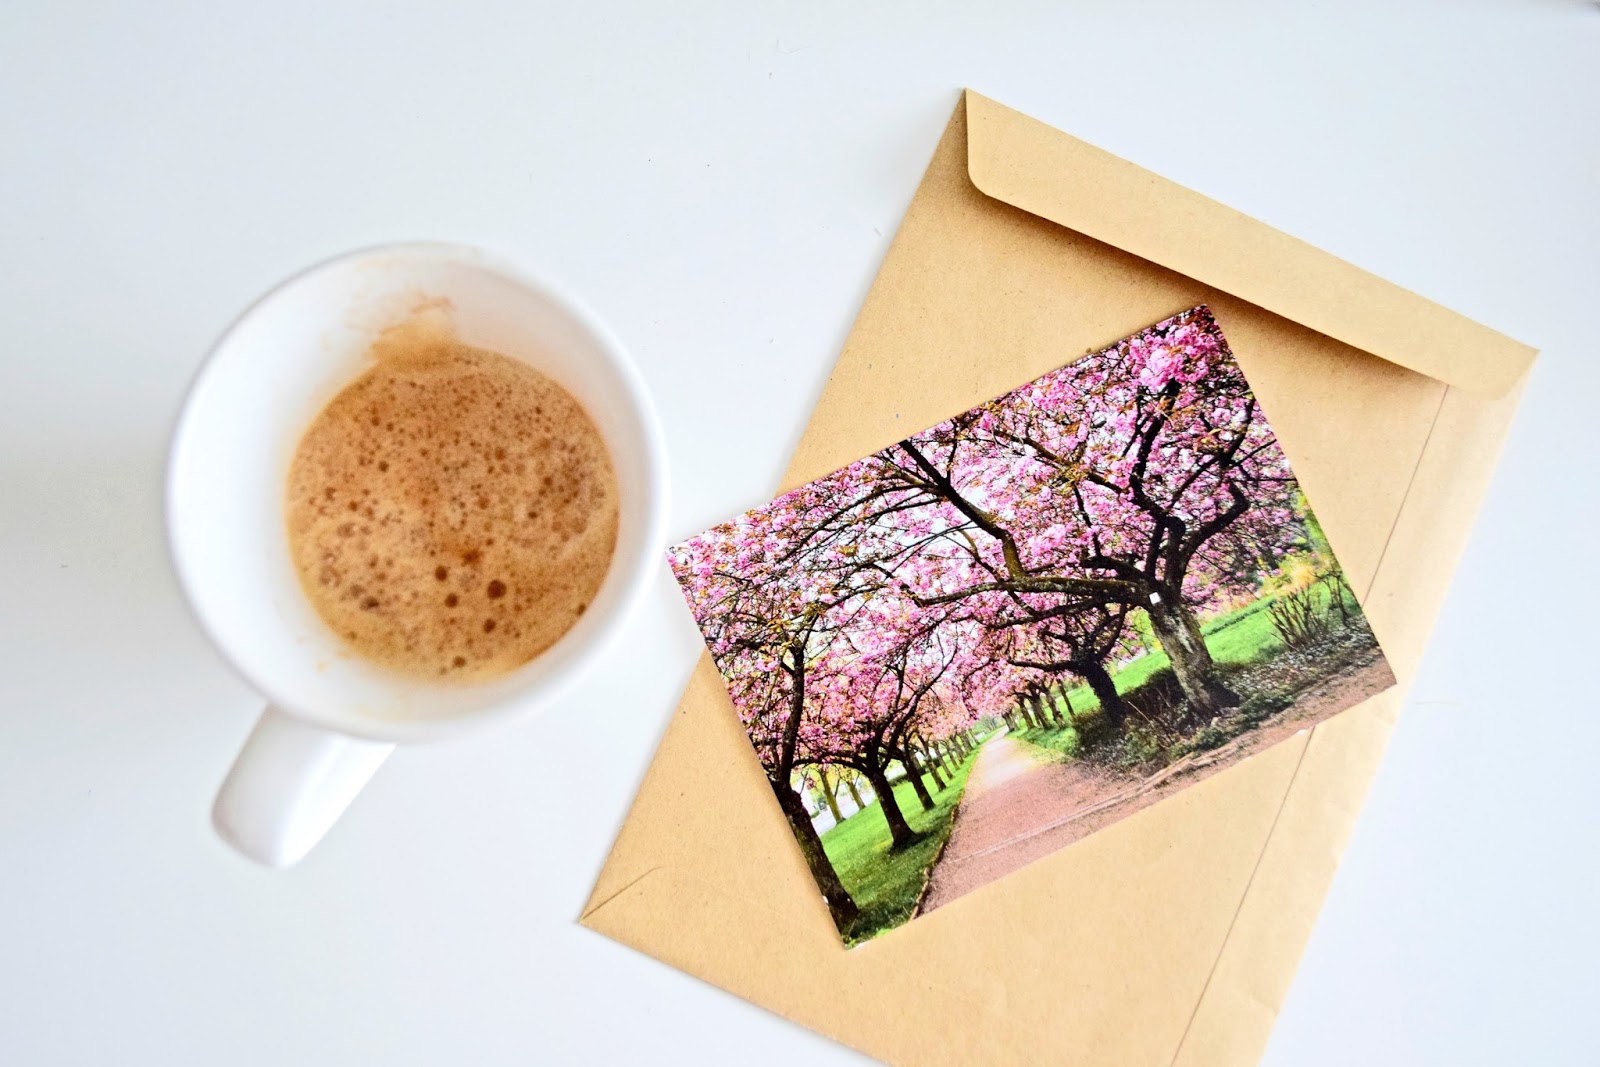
[1169,937]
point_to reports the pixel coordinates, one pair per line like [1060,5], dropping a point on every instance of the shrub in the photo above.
[1138,748]
[1254,712]
[1298,618]
[1093,729]
[1262,706]
[1158,700]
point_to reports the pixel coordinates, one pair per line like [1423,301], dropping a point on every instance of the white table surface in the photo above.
[721,182]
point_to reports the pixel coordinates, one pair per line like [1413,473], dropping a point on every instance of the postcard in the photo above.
[990,640]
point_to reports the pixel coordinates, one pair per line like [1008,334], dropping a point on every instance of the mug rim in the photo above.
[631,573]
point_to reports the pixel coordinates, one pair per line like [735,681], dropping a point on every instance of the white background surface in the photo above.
[721,182]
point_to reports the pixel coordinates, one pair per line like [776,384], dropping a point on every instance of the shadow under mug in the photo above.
[332,717]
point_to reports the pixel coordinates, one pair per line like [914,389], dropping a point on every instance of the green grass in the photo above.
[1061,739]
[884,883]
[1243,635]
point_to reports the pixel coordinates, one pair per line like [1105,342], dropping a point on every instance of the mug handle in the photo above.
[289,784]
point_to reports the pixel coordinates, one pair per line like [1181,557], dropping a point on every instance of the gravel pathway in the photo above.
[1014,789]
[1022,803]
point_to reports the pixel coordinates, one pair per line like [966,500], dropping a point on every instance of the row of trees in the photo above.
[928,764]
[874,616]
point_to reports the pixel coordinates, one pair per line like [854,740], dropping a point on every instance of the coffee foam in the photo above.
[452,512]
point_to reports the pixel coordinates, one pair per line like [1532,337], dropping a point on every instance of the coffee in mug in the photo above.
[575,508]
[452,512]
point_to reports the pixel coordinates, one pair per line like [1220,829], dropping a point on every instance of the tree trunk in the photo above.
[1066,699]
[840,903]
[1179,633]
[1105,690]
[1047,709]
[827,795]
[855,794]
[900,832]
[931,763]
[914,773]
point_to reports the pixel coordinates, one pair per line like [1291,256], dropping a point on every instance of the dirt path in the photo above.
[1014,789]
[1021,803]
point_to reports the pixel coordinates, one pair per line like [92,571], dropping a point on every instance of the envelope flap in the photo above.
[1032,166]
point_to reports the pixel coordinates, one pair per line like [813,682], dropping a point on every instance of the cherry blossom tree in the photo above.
[874,616]
[766,628]
[1130,478]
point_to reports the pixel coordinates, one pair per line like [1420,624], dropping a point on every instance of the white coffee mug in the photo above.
[332,717]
